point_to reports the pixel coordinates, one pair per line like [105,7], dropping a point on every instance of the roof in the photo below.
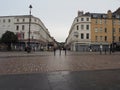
[117,11]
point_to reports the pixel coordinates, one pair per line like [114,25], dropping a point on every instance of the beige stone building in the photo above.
[104,30]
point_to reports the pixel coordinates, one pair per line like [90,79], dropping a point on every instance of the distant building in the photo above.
[39,35]
[94,30]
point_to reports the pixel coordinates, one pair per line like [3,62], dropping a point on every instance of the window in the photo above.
[105,30]
[114,37]
[100,21]
[23,20]
[77,27]
[76,34]
[23,27]
[101,38]
[95,16]
[96,29]
[87,19]
[17,27]
[104,16]
[82,27]
[82,36]
[9,20]
[3,20]
[105,38]
[100,29]
[96,38]
[82,19]
[17,20]
[87,27]
[77,20]
[96,21]
[87,36]
[114,30]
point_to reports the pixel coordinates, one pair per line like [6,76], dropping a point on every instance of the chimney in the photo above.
[109,14]
[80,13]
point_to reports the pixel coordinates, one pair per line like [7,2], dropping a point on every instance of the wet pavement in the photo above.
[63,80]
[40,62]
[74,71]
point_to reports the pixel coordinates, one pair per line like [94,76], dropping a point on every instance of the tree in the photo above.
[9,38]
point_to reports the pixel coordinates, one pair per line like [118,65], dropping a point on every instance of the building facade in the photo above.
[40,37]
[79,35]
[94,31]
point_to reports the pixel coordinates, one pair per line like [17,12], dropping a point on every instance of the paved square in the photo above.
[37,62]
[74,71]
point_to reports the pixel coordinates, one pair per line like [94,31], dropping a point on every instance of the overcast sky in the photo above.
[57,15]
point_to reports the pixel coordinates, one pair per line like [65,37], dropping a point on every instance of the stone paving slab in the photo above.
[51,63]
[65,80]
[50,53]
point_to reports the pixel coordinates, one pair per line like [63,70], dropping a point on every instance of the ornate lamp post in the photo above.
[29,47]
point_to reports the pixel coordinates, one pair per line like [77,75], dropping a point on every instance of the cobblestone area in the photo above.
[36,62]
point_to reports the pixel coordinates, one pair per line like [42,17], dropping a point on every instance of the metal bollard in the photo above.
[105,51]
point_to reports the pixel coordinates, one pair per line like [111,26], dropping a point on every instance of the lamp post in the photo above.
[29,47]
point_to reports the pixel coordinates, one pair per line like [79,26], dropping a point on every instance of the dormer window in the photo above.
[95,16]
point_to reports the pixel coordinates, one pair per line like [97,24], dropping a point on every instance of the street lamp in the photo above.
[29,47]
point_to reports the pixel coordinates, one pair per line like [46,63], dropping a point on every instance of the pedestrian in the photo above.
[60,51]
[110,48]
[54,51]
[65,51]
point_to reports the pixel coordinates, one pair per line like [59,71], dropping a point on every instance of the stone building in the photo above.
[92,31]
[40,37]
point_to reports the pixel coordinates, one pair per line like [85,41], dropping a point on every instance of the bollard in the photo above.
[54,51]
[60,52]
[65,52]
[105,51]
[100,52]
[110,50]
